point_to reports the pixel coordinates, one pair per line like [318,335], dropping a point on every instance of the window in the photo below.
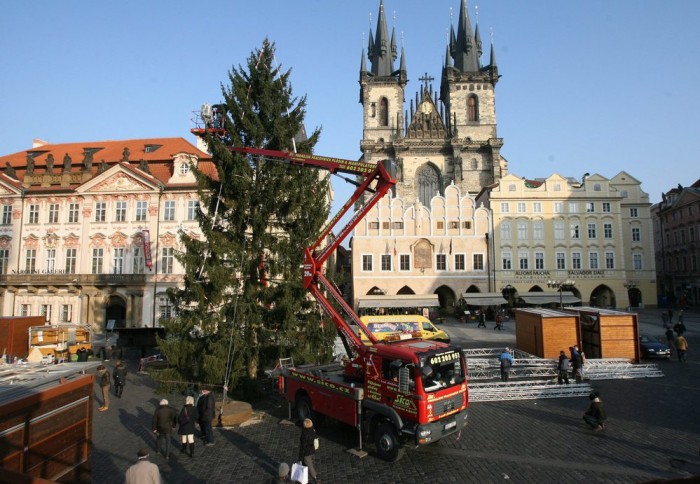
[367,263]
[165,308]
[512,187]
[478,262]
[576,260]
[634,213]
[383,112]
[33,214]
[593,260]
[590,207]
[71,260]
[592,231]
[460,263]
[637,262]
[636,234]
[405,262]
[169,210]
[624,194]
[538,230]
[25,310]
[575,230]
[53,213]
[66,315]
[522,230]
[139,261]
[4,260]
[609,260]
[441,262]
[557,187]
[473,108]
[374,225]
[454,225]
[558,207]
[440,225]
[506,261]
[192,209]
[118,260]
[6,214]
[100,211]
[537,207]
[73,210]
[539,260]
[45,310]
[50,260]
[505,231]
[691,234]
[120,211]
[523,261]
[561,260]
[97,260]
[184,169]
[607,230]
[397,225]
[467,224]
[386,262]
[573,207]
[141,209]
[606,207]
[505,207]
[559,233]
[522,207]
[597,187]
[30,260]
[167,260]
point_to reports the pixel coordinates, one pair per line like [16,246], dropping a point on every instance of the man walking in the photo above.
[506,360]
[143,472]
[206,408]
[104,378]
[681,347]
[163,423]
[563,369]
[576,364]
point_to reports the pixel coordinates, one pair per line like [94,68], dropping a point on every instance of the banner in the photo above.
[147,248]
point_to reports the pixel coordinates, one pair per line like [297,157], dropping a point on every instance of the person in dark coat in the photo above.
[563,369]
[163,423]
[506,360]
[119,376]
[307,449]
[206,409]
[595,415]
[82,354]
[576,364]
[187,417]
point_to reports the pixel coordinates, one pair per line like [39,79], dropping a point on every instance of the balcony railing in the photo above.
[72,279]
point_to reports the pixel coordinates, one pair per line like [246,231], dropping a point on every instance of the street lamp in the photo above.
[561,286]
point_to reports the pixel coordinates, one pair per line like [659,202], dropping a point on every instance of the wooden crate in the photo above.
[545,332]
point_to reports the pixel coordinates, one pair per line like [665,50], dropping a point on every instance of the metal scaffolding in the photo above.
[525,390]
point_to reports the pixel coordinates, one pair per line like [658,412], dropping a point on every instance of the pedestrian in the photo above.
[481,317]
[680,316]
[103,374]
[563,368]
[499,322]
[595,415]
[143,472]
[670,338]
[664,318]
[670,316]
[163,423]
[82,354]
[282,474]
[681,347]
[506,360]
[307,447]
[206,409]
[576,364]
[187,417]
[119,376]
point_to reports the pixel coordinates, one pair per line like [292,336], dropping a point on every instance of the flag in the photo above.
[395,253]
[450,245]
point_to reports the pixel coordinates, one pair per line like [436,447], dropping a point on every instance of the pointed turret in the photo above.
[477,37]
[493,66]
[463,48]
[403,75]
[383,51]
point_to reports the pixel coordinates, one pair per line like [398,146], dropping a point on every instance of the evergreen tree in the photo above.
[243,296]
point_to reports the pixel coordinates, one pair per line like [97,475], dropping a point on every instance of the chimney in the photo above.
[37,143]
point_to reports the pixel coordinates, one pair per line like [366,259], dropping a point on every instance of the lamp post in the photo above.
[560,286]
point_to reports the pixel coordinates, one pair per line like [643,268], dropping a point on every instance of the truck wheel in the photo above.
[387,443]
[303,407]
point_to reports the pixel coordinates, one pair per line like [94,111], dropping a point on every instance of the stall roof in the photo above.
[567,297]
[484,298]
[399,301]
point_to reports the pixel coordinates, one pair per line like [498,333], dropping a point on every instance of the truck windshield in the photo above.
[442,375]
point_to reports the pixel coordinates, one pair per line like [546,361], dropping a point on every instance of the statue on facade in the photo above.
[459,175]
[67,163]
[102,168]
[399,168]
[49,164]
[125,154]
[9,171]
[143,166]
[30,164]
[87,161]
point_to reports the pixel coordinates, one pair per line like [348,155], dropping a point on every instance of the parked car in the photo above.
[651,347]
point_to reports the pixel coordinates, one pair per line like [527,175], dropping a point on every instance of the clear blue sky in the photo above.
[593,86]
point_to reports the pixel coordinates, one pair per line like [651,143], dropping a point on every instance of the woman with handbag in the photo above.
[308,443]
[187,417]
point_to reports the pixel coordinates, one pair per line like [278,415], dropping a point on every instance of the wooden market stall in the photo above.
[606,333]
[545,332]
[59,340]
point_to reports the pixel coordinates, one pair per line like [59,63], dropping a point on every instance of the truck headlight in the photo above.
[425,433]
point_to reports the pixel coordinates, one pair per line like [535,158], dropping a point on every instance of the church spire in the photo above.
[382,49]
[463,47]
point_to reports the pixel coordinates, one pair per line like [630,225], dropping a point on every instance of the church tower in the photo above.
[440,139]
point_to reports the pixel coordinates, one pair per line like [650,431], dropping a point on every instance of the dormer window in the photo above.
[184,169]
[151,148]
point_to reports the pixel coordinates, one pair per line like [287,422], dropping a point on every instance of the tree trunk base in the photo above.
[235,413]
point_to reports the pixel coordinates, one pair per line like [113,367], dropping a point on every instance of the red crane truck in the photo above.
[402,392]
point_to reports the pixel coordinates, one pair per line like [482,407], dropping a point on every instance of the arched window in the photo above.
[472,108]
[428,184]
[383,112]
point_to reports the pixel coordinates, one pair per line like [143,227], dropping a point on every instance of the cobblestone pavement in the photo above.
[651,421]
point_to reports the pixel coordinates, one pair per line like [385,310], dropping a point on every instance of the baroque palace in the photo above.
[89,231]
[458,225]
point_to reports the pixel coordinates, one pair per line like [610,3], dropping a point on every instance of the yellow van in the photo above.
[402,326]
